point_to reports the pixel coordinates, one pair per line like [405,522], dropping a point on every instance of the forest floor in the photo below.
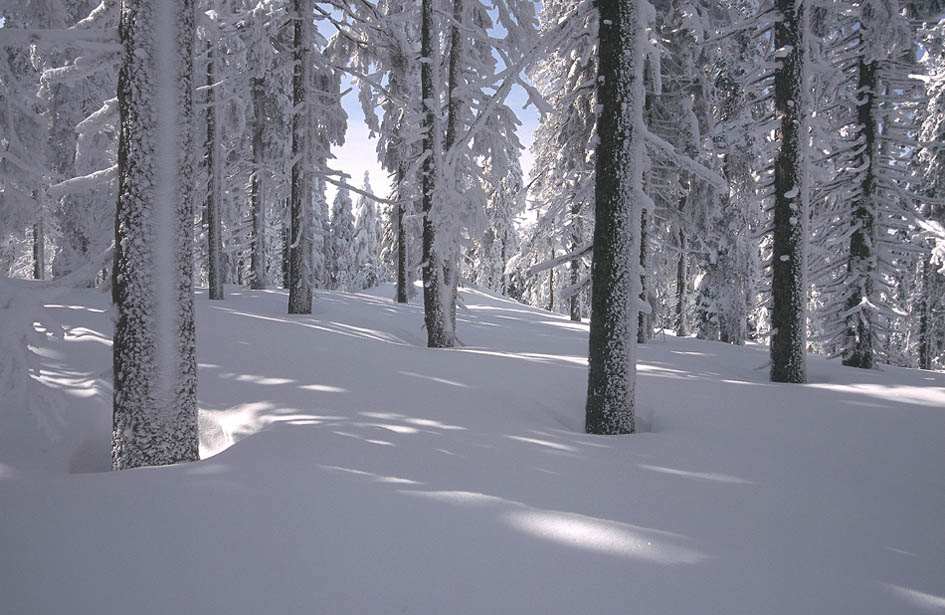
[349,469]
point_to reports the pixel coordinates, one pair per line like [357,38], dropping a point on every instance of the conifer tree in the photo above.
[367,238]
[341,242]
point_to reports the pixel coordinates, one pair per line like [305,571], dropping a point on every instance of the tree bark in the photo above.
[286,242]
[257,277]
[861,261]
[791,199]
[436,315]
[615,271]
[401,230]
[925,316]
[300,197]
[39,249]
[644,321]
[682,284]
[214,186]
[154,357]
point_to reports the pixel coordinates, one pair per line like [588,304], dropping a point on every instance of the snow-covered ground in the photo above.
[351,470]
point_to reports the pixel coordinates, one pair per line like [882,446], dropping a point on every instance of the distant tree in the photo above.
[155,370]
[341,242]
[367,241]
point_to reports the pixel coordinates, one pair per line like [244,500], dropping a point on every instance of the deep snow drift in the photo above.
[359,472]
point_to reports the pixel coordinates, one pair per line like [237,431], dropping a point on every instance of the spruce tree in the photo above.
[341,241]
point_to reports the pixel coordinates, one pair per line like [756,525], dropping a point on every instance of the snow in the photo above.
[357,471]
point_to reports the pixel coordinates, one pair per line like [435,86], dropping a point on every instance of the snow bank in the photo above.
[359,472]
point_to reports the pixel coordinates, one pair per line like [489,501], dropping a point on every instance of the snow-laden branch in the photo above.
[701,171]
[98,40]
[83,182]
[560,260]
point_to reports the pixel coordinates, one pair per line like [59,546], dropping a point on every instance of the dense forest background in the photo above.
[782,164]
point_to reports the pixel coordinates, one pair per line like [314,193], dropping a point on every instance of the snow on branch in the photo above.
[702,172]
[569,291]
[559,260]
[83,182]
[98,40]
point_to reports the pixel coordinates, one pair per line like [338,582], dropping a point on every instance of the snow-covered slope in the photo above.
[359,472]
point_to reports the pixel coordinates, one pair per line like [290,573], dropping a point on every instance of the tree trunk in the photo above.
[214,186]
[551,279]
[925,316]
[615,271]
[257,277]
[451,258]
[682,283]
[300,198]
[39,249]
[401,230]
[791,199]
[436,314]
[861,261]
[644,321]
[154,354]
[575,300]
[286,242]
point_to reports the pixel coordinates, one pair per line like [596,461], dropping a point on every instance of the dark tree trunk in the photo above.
[39,250]
[644,320]
[615,272]
[436,313]
[925,316]
[861,261]
[300,198]
[214,186]
[257,277]
[286,242]
[154,356]
[791,201]
[401,230]
[682,284]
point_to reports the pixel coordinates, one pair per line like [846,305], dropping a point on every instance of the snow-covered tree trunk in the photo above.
[300,199]
[257,277]
[214,184]
[435,309]
[455,102]
[858,339]
[619,195]
[791,198]
[155,369]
